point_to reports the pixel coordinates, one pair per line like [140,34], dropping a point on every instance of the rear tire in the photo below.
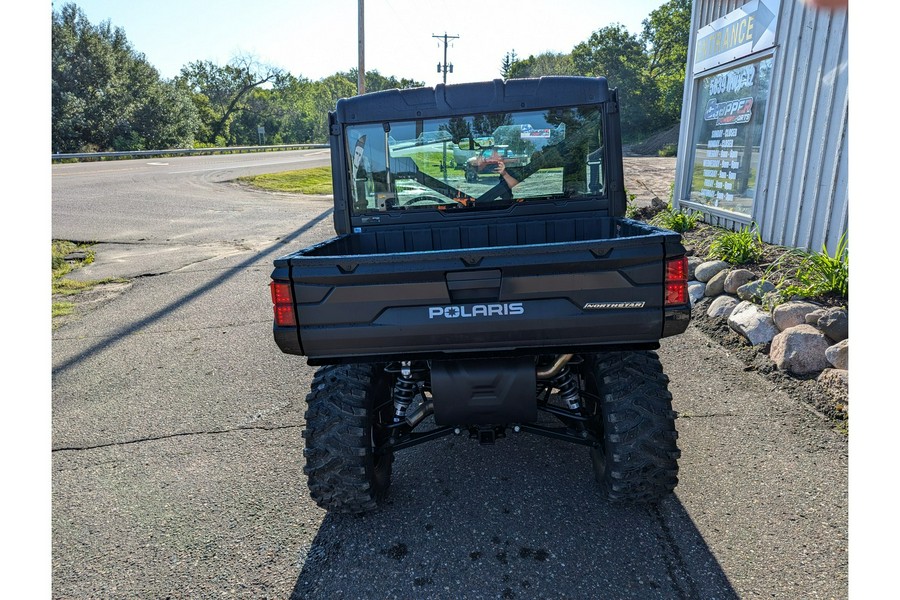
[348,409]
[628,398]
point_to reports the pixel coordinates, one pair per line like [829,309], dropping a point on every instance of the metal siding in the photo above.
[832,146]
[802,115]
[801,193]
[775,136]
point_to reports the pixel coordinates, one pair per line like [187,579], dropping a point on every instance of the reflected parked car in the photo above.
[487,160]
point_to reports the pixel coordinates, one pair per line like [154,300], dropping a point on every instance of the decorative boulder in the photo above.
[813,317]
[753,323]
[705,271]
[839,355]
[693,263]
[721,307]
[696,290]
[755,290]
[716,285]
[800,350]
[736,279]
[834,323]
[835,383]
[791,314]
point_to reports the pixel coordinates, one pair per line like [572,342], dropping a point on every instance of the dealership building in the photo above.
[763,138]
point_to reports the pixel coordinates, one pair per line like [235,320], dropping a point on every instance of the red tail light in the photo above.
[283,302]
[676,281]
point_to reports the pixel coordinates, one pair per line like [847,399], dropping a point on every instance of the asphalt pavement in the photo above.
[177,455]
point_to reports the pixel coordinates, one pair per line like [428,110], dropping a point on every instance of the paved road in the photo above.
[177,456]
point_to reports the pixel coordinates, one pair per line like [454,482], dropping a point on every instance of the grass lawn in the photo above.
[315,181]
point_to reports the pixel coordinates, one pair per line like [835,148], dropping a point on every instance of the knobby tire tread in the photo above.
[639,459]
[342,472]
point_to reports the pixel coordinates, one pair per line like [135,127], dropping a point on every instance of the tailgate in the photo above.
[537,298]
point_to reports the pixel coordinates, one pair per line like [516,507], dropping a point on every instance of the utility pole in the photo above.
[443,68]
[361,68]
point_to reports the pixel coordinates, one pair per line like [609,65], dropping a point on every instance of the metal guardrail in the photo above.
[185,151]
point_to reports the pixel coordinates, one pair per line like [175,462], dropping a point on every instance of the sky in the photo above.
[316,38]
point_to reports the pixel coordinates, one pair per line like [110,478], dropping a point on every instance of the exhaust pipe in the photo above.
[420,414]
[554,370]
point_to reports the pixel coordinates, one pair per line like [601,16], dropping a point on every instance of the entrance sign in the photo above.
[741,32]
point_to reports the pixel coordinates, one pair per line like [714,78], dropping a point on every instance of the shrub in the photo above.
[737,247]
[668,150]
[676,220]
[631,209]
[821,274]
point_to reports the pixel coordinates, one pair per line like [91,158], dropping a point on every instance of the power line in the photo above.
[445,67]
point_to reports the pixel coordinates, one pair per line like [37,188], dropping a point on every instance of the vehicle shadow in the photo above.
[521,519]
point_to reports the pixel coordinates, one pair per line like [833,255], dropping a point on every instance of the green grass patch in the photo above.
[61,309]
[315,181]
[78,255]
[66,257]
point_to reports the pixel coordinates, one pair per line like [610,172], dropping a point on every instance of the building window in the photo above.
[728,125]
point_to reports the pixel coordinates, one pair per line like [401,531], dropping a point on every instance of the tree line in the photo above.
[107,96]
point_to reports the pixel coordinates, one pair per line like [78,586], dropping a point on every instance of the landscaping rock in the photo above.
[753,323]
[716,285]
[696,290]
[693,263]
[800,350]
[755,290]
[835,384]
[736,279]
[813,317]
[791,314]
[722,307]
[705,271]
[839,355]
[834,323]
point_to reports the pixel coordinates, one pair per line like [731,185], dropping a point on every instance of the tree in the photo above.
[326,93]
[509,59]
[376,82]
[105,95]
[220,93]
[620,56]
[547,63]
[666,35]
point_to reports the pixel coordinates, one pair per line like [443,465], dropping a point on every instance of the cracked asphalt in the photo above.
[177,455]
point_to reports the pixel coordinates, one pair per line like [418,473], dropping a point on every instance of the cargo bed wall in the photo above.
[488,235]
[543,287]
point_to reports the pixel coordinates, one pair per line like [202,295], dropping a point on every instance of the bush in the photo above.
[676,220]
[737,247]
[821,274]
[668,150]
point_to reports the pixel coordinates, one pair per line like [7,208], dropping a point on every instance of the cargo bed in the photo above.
[497,288]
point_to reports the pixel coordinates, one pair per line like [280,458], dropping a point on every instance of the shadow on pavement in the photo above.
[520,519]
[123,332]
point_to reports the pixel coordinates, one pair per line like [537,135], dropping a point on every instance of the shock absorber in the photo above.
[405,390]
[567,385]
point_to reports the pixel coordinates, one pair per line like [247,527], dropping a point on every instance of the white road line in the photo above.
[230,167]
